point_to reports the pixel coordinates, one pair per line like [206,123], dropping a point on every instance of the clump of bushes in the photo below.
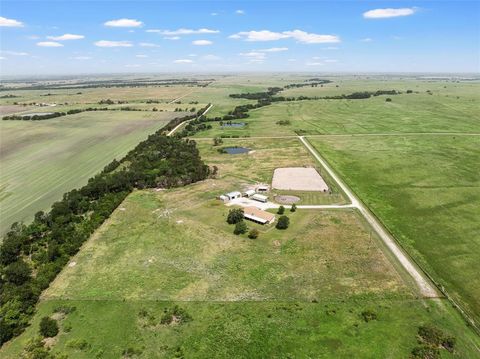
[175,314]
[293,208]
[235,215]
[48,327]
[240,228]
[253,234]
[283,222]
[281,210]
[431,340]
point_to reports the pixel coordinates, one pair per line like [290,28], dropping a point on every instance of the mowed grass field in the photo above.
[41,160]
[297,293]
[406,113]
[426,190]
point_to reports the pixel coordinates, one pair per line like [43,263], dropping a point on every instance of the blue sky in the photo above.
[69,37]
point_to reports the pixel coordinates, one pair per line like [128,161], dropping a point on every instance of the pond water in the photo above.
[236,150]
[234,124]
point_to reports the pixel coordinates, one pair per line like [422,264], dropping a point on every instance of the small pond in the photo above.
[235,150]
[234,124]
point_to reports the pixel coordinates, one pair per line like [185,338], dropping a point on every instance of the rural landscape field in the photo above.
[265,201]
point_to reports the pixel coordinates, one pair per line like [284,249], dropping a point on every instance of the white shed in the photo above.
[233,195]
[260,198]
[249,193]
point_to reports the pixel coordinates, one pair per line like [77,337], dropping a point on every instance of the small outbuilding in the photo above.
[233,195]
[257,215]
[260,198]
[262,188]
[249,193]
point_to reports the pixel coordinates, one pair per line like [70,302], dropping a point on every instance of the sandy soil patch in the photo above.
[298,179]
[285,199]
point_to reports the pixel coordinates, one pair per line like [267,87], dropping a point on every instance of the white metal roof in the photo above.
[233,194]
[260,196]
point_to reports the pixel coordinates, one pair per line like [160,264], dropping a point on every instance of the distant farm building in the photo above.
[262,188]
[249,193]
[260,198]
[233,195]
[257,215]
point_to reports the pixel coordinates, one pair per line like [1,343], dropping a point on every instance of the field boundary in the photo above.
[368,213]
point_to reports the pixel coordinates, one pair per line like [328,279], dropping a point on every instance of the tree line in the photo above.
[32,255]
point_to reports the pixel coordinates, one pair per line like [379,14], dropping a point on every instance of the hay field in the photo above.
[41,160]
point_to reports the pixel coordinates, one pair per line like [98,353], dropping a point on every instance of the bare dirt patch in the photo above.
[298,179]
[286,199]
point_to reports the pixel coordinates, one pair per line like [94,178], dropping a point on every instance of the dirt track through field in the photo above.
[426,288]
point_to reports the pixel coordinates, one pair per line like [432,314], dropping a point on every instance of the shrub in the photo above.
[388,99]
[235,215]
[283,222]
[293,208]
[425,353]
[48,327]
[240,228]
[281,210]
[369,315]
[177,314]
[253,234]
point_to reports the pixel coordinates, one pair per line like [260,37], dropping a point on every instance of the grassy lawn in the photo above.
[298,292]
[41,160]
[426,190]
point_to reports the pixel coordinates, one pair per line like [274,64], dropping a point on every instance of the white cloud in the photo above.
[124,23]
[263,35]
[366,39]
[254,55]
[202,42]
[49,44]
[309,38]
[141,56]
[171,38]
[10,22]
[300,36]
[183,61]
[331,48]
[148,44]
[132,65]
[182,31]
[331,61]
[2,58]
[314,64]
[211,57]
[33,37]
[192,55]
[106,43]
[14,53]
[274,49]
[240,12]
[66,37]
[214,13]
[389,12]
[292,60]
[81,58]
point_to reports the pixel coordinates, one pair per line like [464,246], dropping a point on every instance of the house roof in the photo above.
[258,215]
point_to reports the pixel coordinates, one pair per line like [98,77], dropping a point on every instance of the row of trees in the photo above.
[32,255]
